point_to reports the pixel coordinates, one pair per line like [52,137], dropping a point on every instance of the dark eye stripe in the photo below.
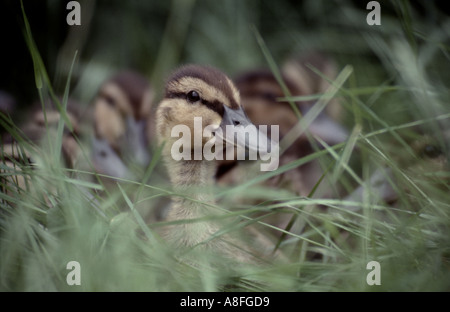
[216,106]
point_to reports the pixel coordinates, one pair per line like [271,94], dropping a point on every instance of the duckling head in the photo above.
[196,91]
[122,109]
[41,123]
[260,92]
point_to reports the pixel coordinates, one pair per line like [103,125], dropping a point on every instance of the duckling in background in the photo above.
[38,129]
[427,168]
[197,91]
[13,180]
[124,137]
[299,70]
[123,131]
[41,123]
[259,91]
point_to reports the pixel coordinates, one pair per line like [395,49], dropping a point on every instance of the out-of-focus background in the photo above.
[155,37]
[395,97]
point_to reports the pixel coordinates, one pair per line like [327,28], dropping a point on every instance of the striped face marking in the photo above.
[204,85]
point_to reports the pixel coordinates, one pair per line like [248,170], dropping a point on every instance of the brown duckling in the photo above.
[259,93]
[41,123]
[191,92]
[124,138]
[122,111]
[13,180]
[39,129]
[426,167]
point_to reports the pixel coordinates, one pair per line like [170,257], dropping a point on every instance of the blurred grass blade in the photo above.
[40,72]
[61,122]
[318,107]
[346,153]
[136,215]
[276,72]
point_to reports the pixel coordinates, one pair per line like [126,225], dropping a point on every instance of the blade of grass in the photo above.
[40,71]
[137,216]
[302,126]
[61,122]
[275,70]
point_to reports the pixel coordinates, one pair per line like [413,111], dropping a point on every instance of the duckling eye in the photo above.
[432,151]
[109,100]
[193,96]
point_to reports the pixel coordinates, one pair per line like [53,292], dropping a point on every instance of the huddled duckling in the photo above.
[13,180]
[299,69]
[39,128]
[124,139]
[426,167]
[260,92]
[42,123]
[197,91]
[122,112]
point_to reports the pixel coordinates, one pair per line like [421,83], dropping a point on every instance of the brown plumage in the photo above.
[39,129]
[122,123]
[13,179]
[41,124]
[260,94]
[124,138]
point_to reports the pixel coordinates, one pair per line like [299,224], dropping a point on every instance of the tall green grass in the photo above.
[392,96]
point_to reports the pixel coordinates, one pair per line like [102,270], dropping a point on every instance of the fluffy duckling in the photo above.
[124,136]
[39,127]
[41,123]
[12,177]
[427,168]
[197,91]
[259,93]
[122,110]
[299,70]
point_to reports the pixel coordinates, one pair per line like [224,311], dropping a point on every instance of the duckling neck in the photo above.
[192,180]
[191,174]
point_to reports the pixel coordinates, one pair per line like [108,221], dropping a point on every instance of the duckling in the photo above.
[13,180]
[122,111]
[38,126]
[123,140]
[198,91]
[426,168]
[259,91]
[299,70]
[40,123]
